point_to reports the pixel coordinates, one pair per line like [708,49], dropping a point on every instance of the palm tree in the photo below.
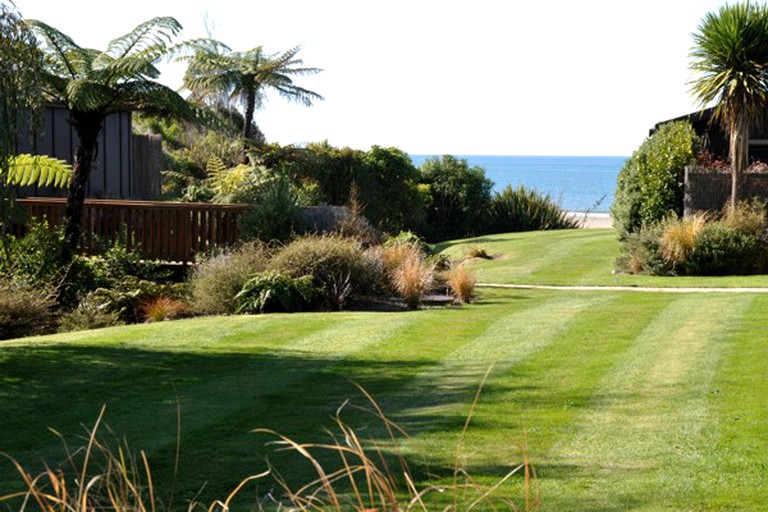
[730,63]
[94,84]
[217,74]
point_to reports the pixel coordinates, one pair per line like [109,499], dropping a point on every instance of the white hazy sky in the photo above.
[556,77]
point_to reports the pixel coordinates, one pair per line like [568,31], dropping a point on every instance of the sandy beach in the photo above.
[593,220]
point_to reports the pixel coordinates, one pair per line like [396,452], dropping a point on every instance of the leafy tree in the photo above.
[390,190]
[20,97]
[94,84]
[730,63]
[216,74]
[650,185]
[459,197]
[385,179]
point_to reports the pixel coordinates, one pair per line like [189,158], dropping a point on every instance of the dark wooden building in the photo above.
[716,139]
[126,166]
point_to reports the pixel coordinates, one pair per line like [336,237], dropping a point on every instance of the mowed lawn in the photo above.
[621,400]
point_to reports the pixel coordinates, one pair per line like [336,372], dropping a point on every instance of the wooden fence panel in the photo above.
[172,232]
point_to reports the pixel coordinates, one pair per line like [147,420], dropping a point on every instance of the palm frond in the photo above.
[729,60]
[24,170]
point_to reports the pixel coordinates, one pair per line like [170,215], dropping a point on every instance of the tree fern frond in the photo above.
[117,70]
[24,170]
[58,45]
[150,97]
[215,167]
[157,32]
[86,94]
[187,51]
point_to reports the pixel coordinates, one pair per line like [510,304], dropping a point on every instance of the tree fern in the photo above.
[44,171]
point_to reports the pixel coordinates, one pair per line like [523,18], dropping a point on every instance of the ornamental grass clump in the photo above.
[479,252]
[748,217]
[159,309]
[678,238]
[462,282]
[412,278]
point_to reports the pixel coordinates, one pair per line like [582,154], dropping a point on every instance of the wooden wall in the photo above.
[116,173]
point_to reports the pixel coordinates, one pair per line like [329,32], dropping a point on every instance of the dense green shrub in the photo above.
[35,257]
[385,178]
[521,209]
[274,211]
[338,265]
[650,185]
[219,277]
[117,262]
[126,297]
[458,198]
[25,310]
[701,244]
[723,250]
[409,238]
[640,252]
[272,291]
[89,314]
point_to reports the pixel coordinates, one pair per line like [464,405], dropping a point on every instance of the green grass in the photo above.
[623,401]
[569,257]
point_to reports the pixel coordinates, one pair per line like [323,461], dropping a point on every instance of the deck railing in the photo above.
[172,232]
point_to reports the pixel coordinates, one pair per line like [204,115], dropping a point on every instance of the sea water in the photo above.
[576,183]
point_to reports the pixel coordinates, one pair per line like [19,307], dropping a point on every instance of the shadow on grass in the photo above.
[222,397]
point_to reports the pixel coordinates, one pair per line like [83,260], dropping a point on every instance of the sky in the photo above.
[487,77]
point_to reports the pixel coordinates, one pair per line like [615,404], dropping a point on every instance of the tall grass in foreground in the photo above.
[356,474]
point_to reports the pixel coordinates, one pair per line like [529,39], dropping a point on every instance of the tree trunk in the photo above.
[88,126]
[250,108]
[739,152]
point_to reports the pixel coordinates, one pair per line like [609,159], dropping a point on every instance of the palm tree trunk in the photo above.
[739,151]
[88,127]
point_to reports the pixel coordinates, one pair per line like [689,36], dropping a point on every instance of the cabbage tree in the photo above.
[730,66]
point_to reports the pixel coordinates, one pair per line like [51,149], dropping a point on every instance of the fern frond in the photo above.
[215,167]
[147,37]
[24,170]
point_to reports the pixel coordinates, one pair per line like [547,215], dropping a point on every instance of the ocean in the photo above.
[576,183]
